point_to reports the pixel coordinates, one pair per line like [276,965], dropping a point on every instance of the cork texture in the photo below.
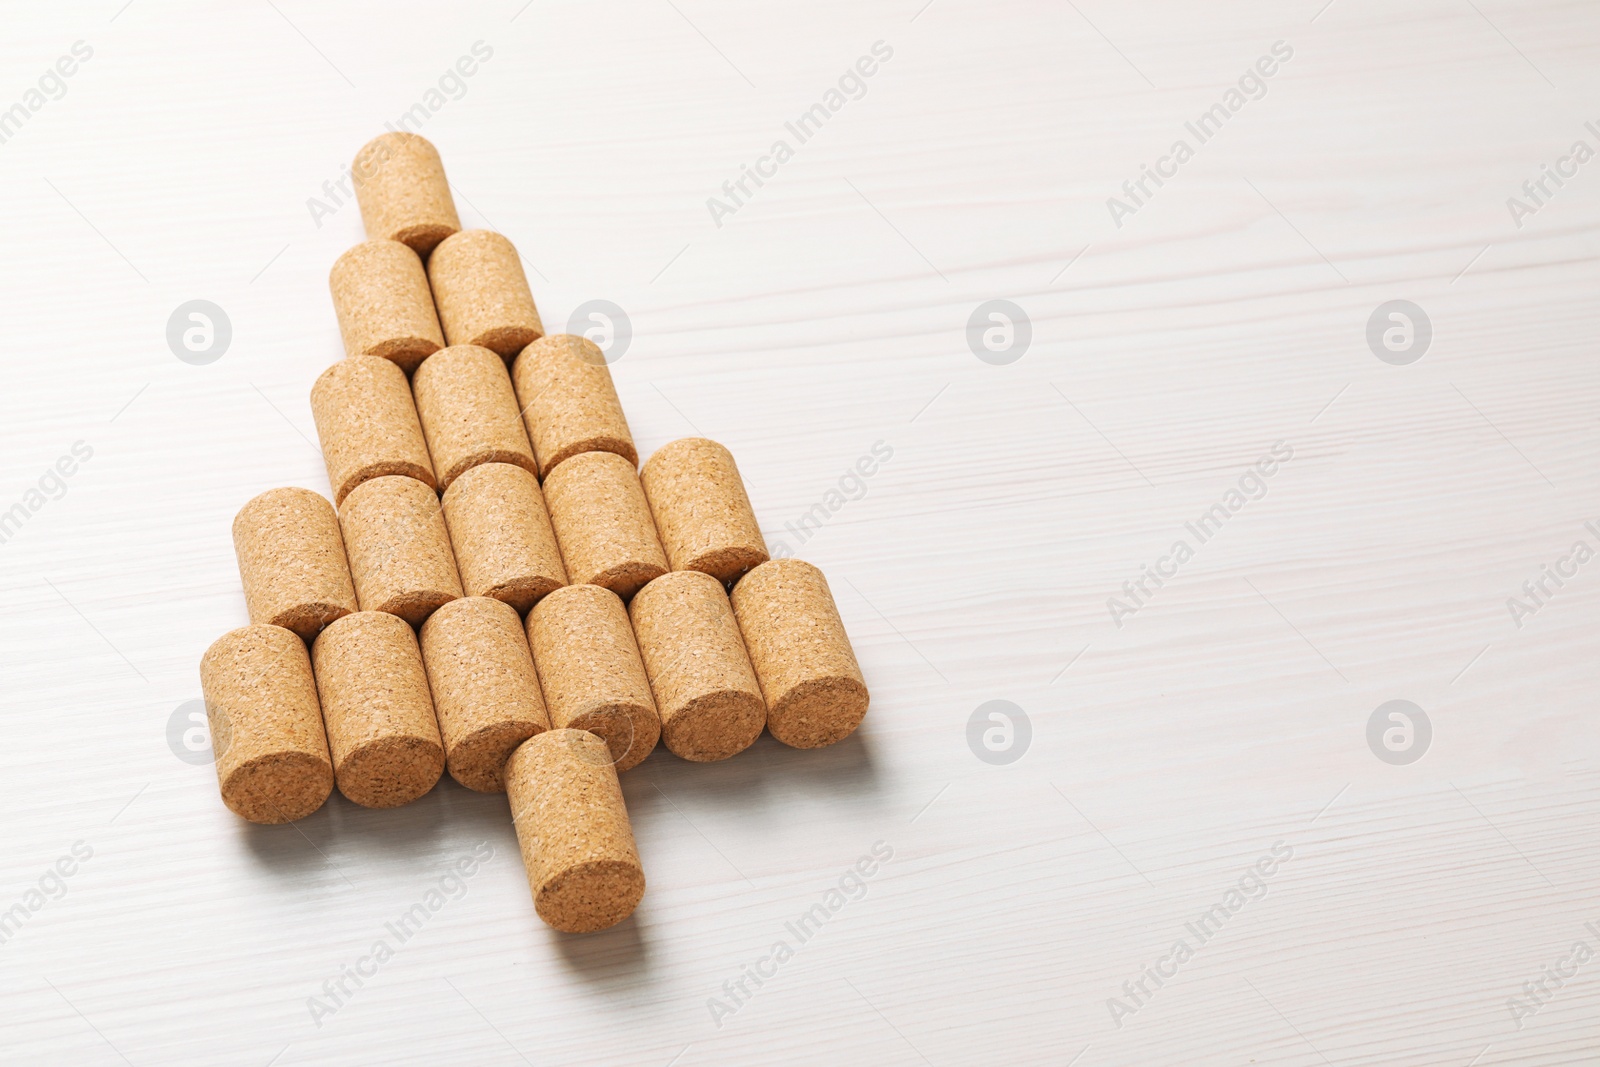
[292,561]
[705,690]
[572,827]
[403,193]
[266,725]
[603,523]
[375,699]
[399,550]
[484,688]
[469,412]
[701,509]
[385,309]
[801,653]
[590,670]
[569,402]
[482,293]
[505,546]
[368,424]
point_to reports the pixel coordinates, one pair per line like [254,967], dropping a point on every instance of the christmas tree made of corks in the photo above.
[497,590]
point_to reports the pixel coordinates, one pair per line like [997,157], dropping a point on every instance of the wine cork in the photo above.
[482,294]
[603,524]
[569,402]
[381,728]
[266,725]
[468,412]
[590,671]
[705,689]
[701,509]
[572,827]
[504,544]
[484,688]
[292,562]
[802,656]
[401,187]
[367,424]
[381,297]
[399,550]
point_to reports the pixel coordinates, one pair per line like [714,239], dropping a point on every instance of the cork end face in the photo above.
[590,896]
[478,761]
[620,446]
[630,731]
[523,593]
[406,352]
[507,341]
[818,712]
[279,787]
[384,469]
[415,606]
[390,772]
[715,726]
[308,620]
[423,237]
[728,565]
[489,455]
[626,579]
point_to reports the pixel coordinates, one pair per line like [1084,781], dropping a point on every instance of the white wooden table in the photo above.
[1195,765]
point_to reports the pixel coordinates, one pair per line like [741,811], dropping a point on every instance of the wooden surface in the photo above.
[1225,718]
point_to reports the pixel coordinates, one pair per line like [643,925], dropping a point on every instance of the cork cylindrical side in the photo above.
[399,550]
[504,544]
[705,689]
[484,688]
[266,725]
[403,193]
[292,561]
[701,509]
[381,727]
[801,653]
[573,829]
[603,523]
[590,670]
[569,402]
[468,412]
[368,424]
[381,296]
[482,293]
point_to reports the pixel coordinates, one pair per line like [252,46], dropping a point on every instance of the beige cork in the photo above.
[292,561]
[603,524]
[381,296]
[403,193]
[399,550]
[569,402]
[484,688]
[367,424]
[504,544]
[266,725]
[705,689]
[572,826]
[814,689]
[590,671]
[381,728]
[701,509]
[482,294]
[468,412]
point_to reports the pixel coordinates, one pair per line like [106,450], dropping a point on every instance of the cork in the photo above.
[603,524]
[381,296]
[705,689]
[266,725]
[399,551]
[569,402]
[701,509]
[590,671]
[482,294]
[292,561]
[375,699]
[572,827]
[802,656]
[401,187]
[468,412]
[504,544]
[367,424]
[484,688]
